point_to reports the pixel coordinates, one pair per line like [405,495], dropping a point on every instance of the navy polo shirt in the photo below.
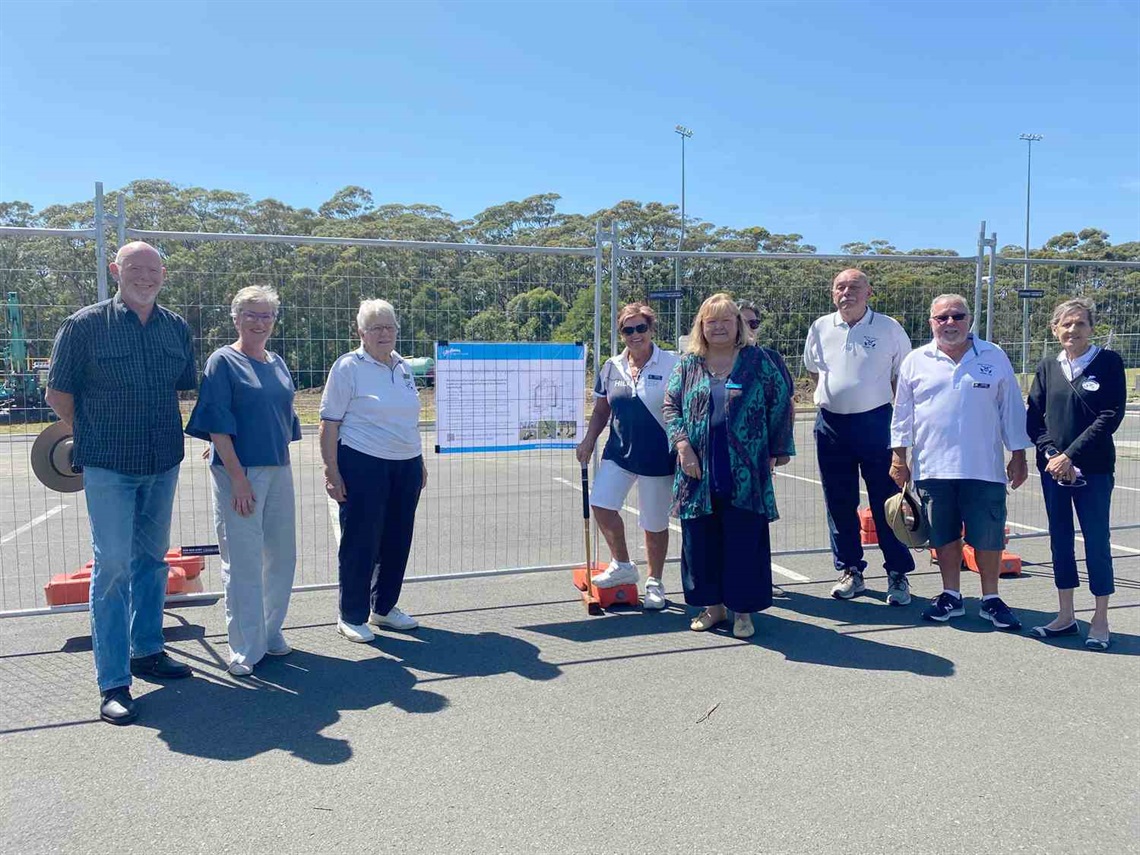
[637,440]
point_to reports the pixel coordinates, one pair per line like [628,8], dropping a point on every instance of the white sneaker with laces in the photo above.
[654,599]
[359,633]
[395,619]
[618,573]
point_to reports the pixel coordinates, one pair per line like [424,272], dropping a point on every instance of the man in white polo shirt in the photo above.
[958,406]
[853,356]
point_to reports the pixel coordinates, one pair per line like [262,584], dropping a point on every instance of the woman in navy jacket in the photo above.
[1075,405]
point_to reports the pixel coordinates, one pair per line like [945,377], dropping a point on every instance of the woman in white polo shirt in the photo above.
[374,468]
[629,394]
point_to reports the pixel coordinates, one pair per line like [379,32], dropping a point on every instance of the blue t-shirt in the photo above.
[251,401]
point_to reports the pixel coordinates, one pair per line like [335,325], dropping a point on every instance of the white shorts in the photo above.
[654,494]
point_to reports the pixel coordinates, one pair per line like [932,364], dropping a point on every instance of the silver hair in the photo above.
[372,309]
[1075,304]
[947,298]
[254,294]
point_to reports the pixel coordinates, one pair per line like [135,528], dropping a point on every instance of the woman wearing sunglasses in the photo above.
[629,393]
[728,408]
[750,315]
[245,409]
[1075,405]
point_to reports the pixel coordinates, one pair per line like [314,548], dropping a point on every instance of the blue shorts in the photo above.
[953,502]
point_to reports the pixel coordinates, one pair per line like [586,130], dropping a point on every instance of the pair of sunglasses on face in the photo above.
[639,329]
[953,316]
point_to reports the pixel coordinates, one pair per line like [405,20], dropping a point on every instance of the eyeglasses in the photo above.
[952,316]
[753,324]
[382,328]
[639,328]
[258,316]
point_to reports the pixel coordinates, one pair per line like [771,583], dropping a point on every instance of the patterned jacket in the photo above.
[760,421]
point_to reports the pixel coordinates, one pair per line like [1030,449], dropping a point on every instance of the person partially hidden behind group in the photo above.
[728,412]
[375,471]
[1076,404]
[245,410]
[628,396]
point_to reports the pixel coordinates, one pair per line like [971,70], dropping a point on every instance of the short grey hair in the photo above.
[373,310]
[254,294]
[949,298]
[1076,304]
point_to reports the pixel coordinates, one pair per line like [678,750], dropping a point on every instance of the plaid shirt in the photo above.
[125,377]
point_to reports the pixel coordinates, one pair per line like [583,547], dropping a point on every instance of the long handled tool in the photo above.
[589,592]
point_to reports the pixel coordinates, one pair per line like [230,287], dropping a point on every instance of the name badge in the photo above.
[732,389]
[1090,385]
[981,385]
[653,377]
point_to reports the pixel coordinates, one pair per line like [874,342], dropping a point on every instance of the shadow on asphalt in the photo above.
[795,640]
[870,611]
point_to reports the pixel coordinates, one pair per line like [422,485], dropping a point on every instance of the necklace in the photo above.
[720,372]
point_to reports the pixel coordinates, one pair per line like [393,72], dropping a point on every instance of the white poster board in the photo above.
[509,396]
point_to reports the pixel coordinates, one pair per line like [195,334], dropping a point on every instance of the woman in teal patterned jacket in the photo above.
[729,413]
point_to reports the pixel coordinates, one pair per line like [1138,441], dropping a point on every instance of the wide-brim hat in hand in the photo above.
[52,460]
[907,518]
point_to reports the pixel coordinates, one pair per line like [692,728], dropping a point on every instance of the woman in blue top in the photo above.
[245,408]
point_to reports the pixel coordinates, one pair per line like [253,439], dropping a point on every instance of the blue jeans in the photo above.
[846,445]
[1092,503]
[130,533]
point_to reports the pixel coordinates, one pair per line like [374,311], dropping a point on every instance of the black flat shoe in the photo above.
[160,666]
[118,707]
[1045,632]
[1098,643]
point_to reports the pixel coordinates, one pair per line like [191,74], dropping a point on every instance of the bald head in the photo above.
[138,270]
[850,291]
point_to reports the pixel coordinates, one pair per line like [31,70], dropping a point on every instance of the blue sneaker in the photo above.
[944,608]
[998,613]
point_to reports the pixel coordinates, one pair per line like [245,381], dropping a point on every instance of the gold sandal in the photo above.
[705,621]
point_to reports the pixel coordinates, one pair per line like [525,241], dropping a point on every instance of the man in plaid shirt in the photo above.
[116,369]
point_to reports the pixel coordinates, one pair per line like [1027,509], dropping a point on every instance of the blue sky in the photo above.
[840,121]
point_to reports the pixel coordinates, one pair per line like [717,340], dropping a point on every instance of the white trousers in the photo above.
[259,558]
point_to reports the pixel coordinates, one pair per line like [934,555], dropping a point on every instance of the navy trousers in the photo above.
[375,530]
[845,446]
[1093,503]
[726,557]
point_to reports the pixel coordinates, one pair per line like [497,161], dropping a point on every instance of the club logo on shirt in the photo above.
[1090,384]
[870,343]
[986,369]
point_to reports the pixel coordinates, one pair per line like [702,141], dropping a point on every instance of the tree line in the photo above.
[465,295]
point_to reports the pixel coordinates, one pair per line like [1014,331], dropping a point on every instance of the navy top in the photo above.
[125,376]
[637,441]
[251,401]
[720,468]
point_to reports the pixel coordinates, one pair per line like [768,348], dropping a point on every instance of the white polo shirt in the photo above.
[855,362]
[378,407]
[959,417]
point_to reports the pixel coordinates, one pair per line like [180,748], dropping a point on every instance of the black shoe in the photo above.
[118,707]
[999,614]
[1045,632]
[159,665]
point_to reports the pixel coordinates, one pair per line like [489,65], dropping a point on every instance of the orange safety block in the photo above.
[1010,563]
[868,537]
[603,598]
[191,565]
[69,589]
[866,521]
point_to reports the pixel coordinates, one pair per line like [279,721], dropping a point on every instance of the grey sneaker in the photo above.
[898,591]
[850,585]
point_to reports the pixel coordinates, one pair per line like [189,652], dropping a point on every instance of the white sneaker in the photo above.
[395,619]
[240,669]
[654,599]
[618,573]
[360,633]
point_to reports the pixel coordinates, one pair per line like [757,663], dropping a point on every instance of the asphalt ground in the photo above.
[480,513]
[513,722]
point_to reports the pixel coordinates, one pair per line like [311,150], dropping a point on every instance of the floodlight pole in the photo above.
[685,133]
[1030,139]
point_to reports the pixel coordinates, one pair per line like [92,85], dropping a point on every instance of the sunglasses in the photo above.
[753,324]
[953,316]
[640,328]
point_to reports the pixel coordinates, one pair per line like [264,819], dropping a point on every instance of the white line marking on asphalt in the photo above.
[776,568]
[334,515]
[1076,537]
[29,526]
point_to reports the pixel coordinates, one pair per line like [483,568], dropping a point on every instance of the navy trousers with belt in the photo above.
[375,530]
[847,445]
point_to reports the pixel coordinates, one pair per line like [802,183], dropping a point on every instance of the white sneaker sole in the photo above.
[355,639]
[615,581]
[653,606]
